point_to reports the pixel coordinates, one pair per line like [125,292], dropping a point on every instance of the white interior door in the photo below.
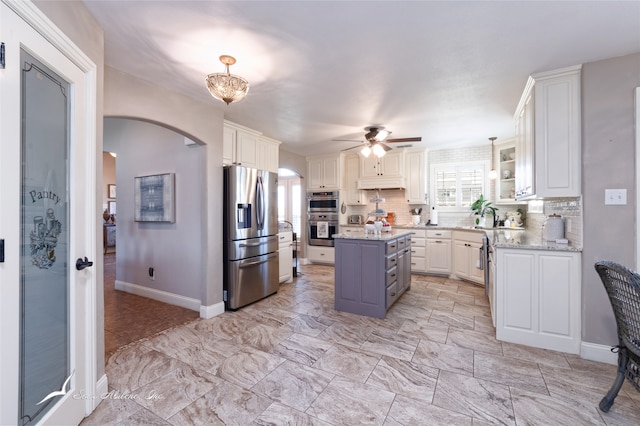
[47,210]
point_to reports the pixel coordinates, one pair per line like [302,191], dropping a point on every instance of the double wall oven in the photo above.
[322,217]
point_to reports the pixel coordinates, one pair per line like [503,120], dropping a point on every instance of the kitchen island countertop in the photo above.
[361,235]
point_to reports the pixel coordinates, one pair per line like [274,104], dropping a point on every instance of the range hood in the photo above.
[382,182]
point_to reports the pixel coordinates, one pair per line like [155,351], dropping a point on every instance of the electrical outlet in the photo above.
[615,196]
[152,274]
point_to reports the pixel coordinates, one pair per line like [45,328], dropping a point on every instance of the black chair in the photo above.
[623,288]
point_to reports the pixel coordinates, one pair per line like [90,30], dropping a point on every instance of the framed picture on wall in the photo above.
[154,198]
[112,207]
[111,190]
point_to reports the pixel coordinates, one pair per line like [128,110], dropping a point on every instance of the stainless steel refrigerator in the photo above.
[251,266]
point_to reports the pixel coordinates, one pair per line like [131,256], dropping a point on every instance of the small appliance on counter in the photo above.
[356,219]
[553,228]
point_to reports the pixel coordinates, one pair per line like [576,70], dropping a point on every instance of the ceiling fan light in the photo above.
[382,135]
[378,150]
[366,151]
[226,86]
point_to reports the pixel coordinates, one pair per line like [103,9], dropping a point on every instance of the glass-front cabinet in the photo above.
[505,182]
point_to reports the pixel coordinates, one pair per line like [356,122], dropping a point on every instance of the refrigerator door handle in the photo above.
[255,244]
[260,203]
[246,264]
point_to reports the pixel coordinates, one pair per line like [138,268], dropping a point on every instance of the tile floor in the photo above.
[292,359]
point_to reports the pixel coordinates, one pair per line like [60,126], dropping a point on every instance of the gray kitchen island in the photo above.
[371,272]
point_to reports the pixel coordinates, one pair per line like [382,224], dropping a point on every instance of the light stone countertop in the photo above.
[361,235]
[517,238]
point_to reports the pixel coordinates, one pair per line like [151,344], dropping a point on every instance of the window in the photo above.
[457,186]
[290,202]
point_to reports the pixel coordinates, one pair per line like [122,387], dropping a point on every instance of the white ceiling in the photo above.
[451,72]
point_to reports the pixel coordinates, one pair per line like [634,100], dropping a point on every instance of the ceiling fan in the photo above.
[376,141]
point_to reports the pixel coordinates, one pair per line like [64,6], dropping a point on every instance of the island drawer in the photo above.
[392,260]
[392,246]
[392,275]
[392,294]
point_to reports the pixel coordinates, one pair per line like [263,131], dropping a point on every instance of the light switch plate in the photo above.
[615,196]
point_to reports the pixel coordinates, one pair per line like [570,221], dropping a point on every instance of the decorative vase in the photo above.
[482,222]
[106,216]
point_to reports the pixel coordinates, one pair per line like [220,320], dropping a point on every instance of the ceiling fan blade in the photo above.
[416,139]
[386,147]
[347,140]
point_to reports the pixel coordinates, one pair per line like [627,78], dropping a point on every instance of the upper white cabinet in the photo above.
[382,172]
[415,176]
[267,154]
[324,172]
[505,158]
[246,147]
[353,196]
[548,136]
[246,144]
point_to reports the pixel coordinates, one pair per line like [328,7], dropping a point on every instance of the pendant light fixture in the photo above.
[226,86]
[493,174]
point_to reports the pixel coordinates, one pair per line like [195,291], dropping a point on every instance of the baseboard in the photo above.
[102,386]
[211,311]
[600,353]
[159,295]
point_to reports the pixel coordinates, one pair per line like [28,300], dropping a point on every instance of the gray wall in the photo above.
[608,162]
[294,162]
[173,249]
[78,24]
[130,97]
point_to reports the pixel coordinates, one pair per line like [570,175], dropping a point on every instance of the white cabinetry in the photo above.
[246,147]
[538,298]
[246,143]
[382,172]
[228,144]
[505,182]
[353,196]
[466,256]
[267,154]
[415,176]
[324,172]
[438,251]
[418,250]
[548,136]
[319,254]
[285,255]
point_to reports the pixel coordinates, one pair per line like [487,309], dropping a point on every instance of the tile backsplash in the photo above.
[569,208]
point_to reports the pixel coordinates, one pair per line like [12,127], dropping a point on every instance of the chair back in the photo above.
[623,289]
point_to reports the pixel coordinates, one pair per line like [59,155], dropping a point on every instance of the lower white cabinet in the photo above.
[538,298]
[320,254]
[285,255]
[438,253]
[466,255]
[418,250]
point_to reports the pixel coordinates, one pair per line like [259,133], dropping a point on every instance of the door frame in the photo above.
[35,18]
